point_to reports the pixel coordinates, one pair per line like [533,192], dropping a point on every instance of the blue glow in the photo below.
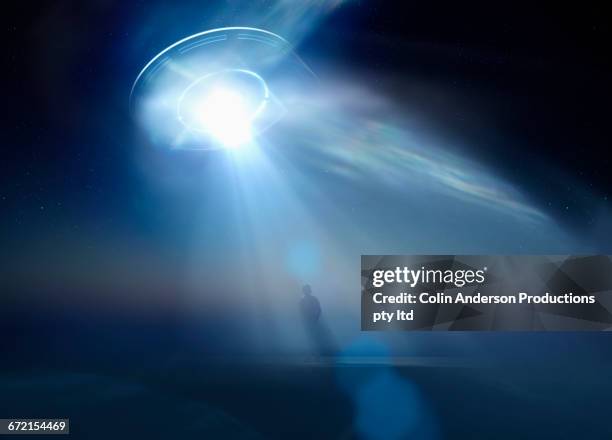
[304,260]
[216,89]
[387,405]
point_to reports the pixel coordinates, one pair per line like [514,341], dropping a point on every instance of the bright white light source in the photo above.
[224,106]
[226,116]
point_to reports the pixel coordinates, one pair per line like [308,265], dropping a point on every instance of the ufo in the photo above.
[222,88]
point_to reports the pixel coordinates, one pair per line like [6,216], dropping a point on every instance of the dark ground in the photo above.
[305,399]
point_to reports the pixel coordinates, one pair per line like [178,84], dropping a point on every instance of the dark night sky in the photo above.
[535,80]
[537,76]
[524,89]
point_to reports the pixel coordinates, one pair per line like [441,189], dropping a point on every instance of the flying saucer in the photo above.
[217,89]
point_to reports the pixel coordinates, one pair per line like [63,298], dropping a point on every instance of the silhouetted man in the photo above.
[320,338]
[310,307]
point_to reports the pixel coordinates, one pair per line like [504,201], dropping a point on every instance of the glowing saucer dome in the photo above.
[217,89]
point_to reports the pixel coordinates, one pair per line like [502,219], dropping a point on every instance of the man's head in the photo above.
[306,290]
